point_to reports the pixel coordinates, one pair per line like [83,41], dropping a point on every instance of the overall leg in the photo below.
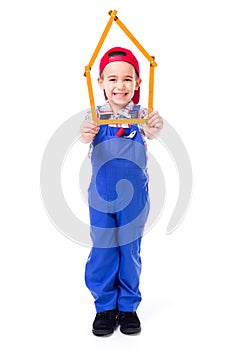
[130,234]
[103,262]
[129,296]
[100,276]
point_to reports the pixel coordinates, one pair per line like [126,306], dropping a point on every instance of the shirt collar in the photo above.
[124,112]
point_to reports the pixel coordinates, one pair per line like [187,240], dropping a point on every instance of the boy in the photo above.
[118,214]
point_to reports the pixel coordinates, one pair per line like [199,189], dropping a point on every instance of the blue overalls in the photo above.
[119,206]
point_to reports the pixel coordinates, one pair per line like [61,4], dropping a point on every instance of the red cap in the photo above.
[125,55]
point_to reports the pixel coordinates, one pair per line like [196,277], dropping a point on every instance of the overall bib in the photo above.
[119,206]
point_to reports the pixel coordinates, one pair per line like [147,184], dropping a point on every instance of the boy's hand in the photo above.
[154,125]
[88,130]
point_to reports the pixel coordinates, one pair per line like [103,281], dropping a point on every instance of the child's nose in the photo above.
[120,84]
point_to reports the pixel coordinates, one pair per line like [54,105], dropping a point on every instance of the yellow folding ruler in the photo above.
[87,74]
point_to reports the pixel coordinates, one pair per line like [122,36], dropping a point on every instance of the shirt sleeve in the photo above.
[143,113]
[89,114]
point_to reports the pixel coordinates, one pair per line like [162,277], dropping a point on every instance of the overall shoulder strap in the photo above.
[134,112]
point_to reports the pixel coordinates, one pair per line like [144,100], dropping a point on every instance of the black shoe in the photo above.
[129,322]
[105,322]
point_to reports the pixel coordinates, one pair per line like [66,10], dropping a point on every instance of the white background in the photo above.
[187,277]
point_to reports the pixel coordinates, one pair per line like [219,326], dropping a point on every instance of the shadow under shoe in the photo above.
[104,323]
[129,322]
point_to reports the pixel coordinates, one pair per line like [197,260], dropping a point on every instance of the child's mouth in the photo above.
[120,94]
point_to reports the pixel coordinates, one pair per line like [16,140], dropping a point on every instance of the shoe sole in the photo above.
[130,330]
[102,332]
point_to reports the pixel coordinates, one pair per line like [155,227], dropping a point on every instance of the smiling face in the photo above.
[119,80]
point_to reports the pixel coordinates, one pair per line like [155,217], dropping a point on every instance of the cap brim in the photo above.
[136,96]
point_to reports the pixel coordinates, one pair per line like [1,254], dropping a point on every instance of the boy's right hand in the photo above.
[88,130]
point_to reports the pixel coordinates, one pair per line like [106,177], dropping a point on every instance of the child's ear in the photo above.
[138,82]
[101,83]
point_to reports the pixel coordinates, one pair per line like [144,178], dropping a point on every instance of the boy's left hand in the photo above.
[154,125]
